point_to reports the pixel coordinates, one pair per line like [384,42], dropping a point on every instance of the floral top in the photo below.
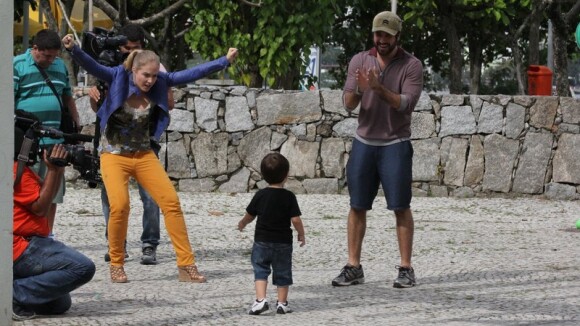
[127,131]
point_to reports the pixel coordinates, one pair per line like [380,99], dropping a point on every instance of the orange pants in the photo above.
[149,173]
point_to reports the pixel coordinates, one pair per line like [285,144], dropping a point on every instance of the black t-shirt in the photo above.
[275,207]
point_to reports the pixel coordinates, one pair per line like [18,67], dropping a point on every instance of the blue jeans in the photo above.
[275,255]
[150,235]
[46,273]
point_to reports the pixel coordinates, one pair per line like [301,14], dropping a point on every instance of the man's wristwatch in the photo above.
[357,91]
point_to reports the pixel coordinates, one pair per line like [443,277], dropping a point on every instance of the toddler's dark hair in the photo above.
[274,168]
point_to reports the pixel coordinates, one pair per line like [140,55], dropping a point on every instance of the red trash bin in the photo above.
[539,80]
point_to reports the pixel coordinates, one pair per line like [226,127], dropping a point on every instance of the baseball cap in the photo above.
[387,21]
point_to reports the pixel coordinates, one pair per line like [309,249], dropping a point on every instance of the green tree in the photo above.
[463,20]
[273,38]
[352,32]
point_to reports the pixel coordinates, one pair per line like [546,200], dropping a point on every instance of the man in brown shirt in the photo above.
[387,82]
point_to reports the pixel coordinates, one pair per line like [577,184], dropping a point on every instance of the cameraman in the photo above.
[45,270]
[151,233]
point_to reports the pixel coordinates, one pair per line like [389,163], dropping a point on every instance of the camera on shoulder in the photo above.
[103,46]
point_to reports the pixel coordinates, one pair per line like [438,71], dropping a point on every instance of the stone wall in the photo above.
[464,145]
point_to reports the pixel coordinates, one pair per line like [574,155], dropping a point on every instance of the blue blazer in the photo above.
[121,85]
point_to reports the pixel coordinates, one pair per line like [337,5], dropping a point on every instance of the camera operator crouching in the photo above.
[45,270]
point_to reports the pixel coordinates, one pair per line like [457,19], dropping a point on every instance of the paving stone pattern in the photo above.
[478,261]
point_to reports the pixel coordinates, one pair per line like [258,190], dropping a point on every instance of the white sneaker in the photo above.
[259,307]
[282,308]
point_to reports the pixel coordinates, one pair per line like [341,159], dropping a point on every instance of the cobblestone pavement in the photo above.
[478,261]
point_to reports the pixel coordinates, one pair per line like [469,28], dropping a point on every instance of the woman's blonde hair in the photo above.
[138,58]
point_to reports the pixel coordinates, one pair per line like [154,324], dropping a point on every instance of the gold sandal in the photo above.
[118,274]
[190,274]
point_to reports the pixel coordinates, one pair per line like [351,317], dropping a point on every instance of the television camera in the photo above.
[28,131]
[103,46]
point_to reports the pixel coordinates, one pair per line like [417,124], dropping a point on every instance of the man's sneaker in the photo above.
[282,308]
[349,275]
[259,307]
[108,257]
[149,256]
[406,278]
[20,312]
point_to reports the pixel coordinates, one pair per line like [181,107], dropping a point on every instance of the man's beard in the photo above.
[386,49]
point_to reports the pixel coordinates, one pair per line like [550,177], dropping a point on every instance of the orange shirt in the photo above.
[26,224]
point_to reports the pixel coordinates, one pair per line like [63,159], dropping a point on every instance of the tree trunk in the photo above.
[256,80]
[534,34]
[178,61]
[288,81]
[561,66]
[455,57]
[447,18]
[562,23]
[560,32]
[519,69]
[534,21]
[475,49]
[48,15]
[180,48]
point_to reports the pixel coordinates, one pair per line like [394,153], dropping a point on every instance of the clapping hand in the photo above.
[366,78]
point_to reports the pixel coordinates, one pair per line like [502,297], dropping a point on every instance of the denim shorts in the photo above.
[278,257]
[390,165]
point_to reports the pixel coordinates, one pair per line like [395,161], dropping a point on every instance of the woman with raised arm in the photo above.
[134,114]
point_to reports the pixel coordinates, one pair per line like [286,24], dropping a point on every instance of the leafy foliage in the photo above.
[273,39]
[352,32]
